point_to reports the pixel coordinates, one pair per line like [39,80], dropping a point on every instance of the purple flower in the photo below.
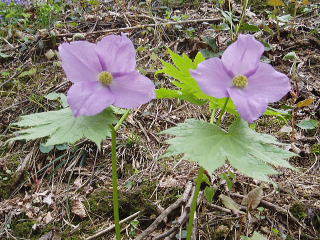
[104,74]
[239,74]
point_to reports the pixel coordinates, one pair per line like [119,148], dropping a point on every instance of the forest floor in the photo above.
[66,193]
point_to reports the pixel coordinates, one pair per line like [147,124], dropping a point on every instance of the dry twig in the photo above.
[99,234]
[166,212]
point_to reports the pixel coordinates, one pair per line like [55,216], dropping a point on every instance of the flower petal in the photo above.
[80,61]
[267,83]
[89,98]
[212,77]
[243,56]
[132,90]
[117,54]
[249,107]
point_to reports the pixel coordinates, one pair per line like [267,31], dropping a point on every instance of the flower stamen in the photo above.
[240,81]
[105,78]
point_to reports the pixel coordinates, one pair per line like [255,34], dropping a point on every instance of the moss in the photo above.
[315,148]
[100,202]
[12,178]
[299,210]
[23,228]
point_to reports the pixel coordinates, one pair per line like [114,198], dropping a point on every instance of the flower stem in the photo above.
[115,175]
[124,117]
[243,15]
[212,115]
[194,203]
[115,183]
[222,111]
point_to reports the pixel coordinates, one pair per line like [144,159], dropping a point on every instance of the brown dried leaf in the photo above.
[48,218]
[305,103]
[253,198]
[168,183]
[78,208]
[275,3]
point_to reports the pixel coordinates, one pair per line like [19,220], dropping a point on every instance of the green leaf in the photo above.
[221,27]
[284,115]
[62,127]
[3,55]
[249,27]
[58,96]
[219,103]
[28,73]
[170,93]
[180,71]
[308,124]
[209,193]
[230,204]
[285,18]
[291,56]
[255,236]
[45,148]
[62,147]
[249,152]
[229,177]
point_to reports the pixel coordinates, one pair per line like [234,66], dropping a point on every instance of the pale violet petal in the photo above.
[116,54]
[212,77]
[267,83]
[80,61]
[132,90]
[243,56]
[249,107]
[89,98]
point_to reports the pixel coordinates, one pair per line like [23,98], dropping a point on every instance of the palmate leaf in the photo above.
[62,127]
[250,152]
[180,71]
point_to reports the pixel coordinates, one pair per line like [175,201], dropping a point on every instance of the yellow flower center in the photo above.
[240,81]
[105,78]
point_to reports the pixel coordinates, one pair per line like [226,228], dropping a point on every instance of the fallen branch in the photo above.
[181,220]
[99,234]
[142,26]
[276,208]
[165,213]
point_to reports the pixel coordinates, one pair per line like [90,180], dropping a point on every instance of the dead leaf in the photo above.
[50,54]
[78,208]
[305,103]
[48,199]
[48,218]
[253,198]
[168,183]
[47,236]
[275,3]
[230,204]
[78,182]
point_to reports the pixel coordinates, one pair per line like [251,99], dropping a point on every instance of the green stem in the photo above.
[115,183]
[124,116]
[243,15]
[277,21]
[212,115]
[115,174]
[194,203]
[222,111]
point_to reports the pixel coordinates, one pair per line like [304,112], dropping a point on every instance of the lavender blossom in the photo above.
[104,74]
[240,75]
